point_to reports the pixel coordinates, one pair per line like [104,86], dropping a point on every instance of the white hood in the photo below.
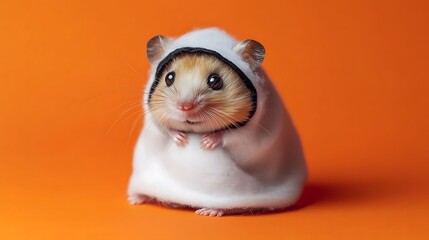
[212,39]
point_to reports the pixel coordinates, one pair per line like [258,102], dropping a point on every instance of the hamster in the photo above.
[216,134]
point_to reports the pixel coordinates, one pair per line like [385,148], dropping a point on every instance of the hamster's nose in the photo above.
[186,106]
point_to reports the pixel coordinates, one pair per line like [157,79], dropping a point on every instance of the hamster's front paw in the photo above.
[211,141]
[180,138]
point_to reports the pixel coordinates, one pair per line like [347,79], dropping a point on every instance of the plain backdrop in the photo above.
[353,74]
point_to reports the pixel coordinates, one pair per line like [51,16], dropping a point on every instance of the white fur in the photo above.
[260,165]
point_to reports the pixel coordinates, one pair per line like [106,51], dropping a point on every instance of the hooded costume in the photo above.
[260,165]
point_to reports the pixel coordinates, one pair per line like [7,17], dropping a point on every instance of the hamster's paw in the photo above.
[180,138]
[210,212]
[138,199]
[211,141]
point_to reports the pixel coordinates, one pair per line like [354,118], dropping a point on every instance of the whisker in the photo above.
[138,111]
[263,128]
[139,101]
[136,121]
[132,68]
[120,116]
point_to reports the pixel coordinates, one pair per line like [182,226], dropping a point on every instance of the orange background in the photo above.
[354,75]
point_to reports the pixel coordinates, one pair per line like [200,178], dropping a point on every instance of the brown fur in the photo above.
[217,109]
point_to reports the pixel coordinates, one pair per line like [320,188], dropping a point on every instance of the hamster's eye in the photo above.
[214,82]
[169,78]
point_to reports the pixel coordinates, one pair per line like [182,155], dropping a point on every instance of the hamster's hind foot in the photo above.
[210,212]
[139,199]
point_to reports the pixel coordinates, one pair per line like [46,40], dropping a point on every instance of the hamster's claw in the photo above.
[138,199]
[210,212]
[211,141]
[180,138]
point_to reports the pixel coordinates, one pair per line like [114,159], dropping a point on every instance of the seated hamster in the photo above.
[216,134]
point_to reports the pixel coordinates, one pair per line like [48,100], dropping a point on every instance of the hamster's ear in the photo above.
[155,47]
[251,52]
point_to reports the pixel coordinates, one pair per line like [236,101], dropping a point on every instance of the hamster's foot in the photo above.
[211,141]
[139,199]
[180,138]
[210,212]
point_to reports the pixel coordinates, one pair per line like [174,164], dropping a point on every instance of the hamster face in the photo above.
[199,93]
